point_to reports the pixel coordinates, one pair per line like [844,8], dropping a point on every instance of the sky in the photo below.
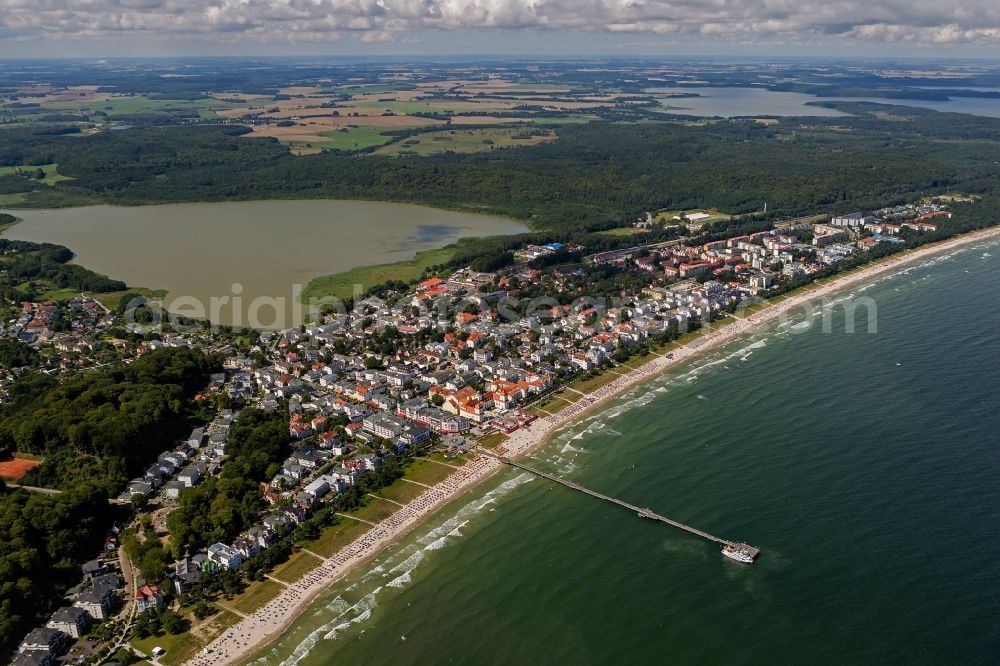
[906,28]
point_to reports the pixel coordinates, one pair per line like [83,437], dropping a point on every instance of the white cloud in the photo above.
[910,21]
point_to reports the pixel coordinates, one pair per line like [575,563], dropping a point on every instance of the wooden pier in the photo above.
[640,511]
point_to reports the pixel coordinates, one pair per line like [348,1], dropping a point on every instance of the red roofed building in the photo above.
[148,596]
[432,282]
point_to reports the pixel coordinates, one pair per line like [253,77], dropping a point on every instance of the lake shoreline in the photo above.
[248,637]
[246,263]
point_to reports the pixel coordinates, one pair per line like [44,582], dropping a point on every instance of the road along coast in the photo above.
[251,634]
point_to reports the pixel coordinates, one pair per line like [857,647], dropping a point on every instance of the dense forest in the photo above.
[43,541]
[24,263]
[13,354]
[103,426]
[595,175]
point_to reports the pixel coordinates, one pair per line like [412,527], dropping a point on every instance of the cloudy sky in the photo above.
[524,27]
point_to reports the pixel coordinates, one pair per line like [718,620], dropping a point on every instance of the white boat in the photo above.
[739,552]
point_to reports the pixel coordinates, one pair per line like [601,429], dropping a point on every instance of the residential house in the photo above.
[173,489]
[192,474]
[93,568]
[69,620]
[96,601]
[262,535]
[186,575]
[148,596]
[247,546]
[225,556]
[44,639]
[33,658]
[318,488]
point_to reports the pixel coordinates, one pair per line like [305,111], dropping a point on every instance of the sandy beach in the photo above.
[252,633]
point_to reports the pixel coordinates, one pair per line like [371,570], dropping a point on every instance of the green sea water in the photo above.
[866,466]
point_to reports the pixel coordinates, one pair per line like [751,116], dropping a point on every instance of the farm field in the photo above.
[346,138]
[467,141]
[310,115]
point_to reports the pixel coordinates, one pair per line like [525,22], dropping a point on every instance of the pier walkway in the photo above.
[640,511]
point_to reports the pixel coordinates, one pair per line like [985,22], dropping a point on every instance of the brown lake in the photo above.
[253,250]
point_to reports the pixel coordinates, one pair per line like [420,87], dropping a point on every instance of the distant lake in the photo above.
[727,102]
[201,250]
[977,106]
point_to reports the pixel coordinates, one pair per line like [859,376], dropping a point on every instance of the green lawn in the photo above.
[52,175]
[457,461]
[401,491]
[621,231]
[591,384]
[182,644]
[376,510]
[465,141]
[492,440]
[112,299]
[12,199]
[334,538]
[341,285]
[297,566]
[60,295]
[182,647]
[553,403]
[667,216]
[350,138]
[256,595]
[428,473]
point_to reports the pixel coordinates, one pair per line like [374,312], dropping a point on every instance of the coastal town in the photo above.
[458,360]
